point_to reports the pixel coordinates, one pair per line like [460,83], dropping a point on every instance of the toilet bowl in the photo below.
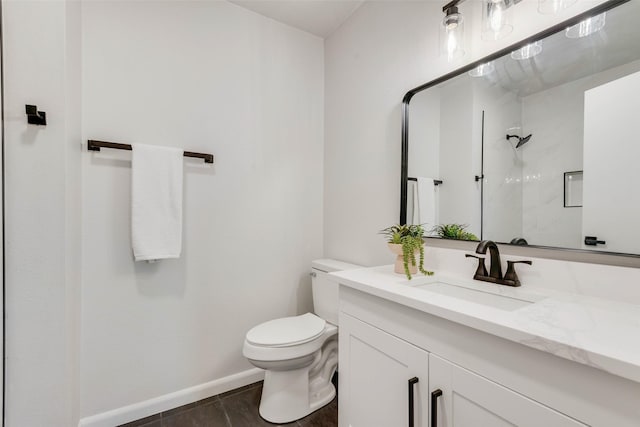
[298,371]
[299,354]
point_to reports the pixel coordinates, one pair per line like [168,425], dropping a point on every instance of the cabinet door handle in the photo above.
[434,407]
[412,382]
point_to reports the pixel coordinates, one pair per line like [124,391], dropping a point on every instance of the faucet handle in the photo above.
[481,270]
[511,274]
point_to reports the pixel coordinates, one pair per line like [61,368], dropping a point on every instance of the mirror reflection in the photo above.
[537,147]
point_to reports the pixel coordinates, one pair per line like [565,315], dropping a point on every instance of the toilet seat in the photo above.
[287,331]
[291,351]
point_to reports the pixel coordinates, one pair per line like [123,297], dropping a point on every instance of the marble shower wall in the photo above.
[502,198]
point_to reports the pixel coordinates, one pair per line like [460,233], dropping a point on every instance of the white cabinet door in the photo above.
[469,400]
[375,372]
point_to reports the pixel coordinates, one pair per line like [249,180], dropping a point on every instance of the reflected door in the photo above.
[611,198]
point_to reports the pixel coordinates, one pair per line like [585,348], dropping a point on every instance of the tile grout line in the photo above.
[226,415]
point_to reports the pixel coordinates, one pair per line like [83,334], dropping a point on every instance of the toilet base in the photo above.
[290,395]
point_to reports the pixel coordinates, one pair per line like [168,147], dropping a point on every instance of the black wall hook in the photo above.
[35,117]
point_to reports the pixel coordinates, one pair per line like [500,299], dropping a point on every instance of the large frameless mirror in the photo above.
[535,145]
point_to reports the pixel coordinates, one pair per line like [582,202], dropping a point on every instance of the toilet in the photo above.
[299,353]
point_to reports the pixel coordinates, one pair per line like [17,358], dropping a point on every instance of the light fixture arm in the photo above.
[452,3]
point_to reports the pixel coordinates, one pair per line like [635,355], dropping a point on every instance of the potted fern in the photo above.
[454,231]
[406,241]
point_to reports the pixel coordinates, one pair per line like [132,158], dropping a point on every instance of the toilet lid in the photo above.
[287,331]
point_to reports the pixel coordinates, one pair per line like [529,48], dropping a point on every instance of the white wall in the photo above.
[40,52]
[209,77]
[368,63]
[89,330]
[385,49]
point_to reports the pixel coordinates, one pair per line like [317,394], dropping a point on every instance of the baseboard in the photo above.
[159,404]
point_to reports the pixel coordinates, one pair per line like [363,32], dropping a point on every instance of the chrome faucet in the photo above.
[495,271]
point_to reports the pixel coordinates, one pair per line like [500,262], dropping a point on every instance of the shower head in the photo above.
[521,140]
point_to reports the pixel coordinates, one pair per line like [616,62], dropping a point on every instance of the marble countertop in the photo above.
[596,332]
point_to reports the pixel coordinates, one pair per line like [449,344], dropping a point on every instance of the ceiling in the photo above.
[319,17]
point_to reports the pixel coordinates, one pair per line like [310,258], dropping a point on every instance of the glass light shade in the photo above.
[549,7]
[587,27]
[528,51]
[452,36]
[483,70]
[495,19]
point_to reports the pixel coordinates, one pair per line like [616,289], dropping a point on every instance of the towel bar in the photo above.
[435,181]
[93,145]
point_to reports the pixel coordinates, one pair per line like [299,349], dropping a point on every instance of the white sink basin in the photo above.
[501,297]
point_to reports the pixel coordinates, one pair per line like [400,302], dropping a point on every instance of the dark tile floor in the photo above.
[236,408]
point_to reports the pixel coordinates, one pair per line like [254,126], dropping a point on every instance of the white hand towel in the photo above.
[426,203]
[156,202]
[415,217]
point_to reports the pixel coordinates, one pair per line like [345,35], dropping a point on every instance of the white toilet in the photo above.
[300,353]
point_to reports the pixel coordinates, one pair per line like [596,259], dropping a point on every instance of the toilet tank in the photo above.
[325,287]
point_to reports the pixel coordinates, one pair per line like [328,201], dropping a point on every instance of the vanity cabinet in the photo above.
[485,380]
[378,388]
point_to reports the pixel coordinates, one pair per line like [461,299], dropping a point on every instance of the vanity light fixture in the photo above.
[528,51]
[549,7]
[483,69]
[495,19]
[496,25]
[453,32]
[587,27]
